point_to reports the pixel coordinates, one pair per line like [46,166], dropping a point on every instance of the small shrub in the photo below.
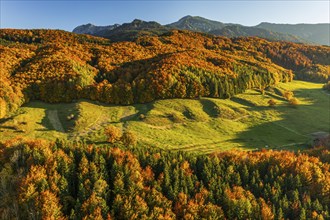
[129,138]
[272,102]
[142,116]
[70,117]
[288,95]
[113,134]
[327,86]
[293,102]
[175,118]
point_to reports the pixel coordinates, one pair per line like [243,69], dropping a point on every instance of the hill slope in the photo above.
[243,31]
[92,29]
[58,66]
[196,23]
[316,33]
[205,125]
[131,31]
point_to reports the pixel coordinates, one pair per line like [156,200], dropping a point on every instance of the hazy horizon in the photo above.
[66,15]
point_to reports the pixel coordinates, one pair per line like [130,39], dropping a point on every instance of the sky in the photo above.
[66,15]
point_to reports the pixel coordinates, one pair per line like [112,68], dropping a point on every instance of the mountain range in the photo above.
[299,33]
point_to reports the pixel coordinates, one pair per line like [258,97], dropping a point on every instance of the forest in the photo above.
[65,180]
[177,64]
[121,178]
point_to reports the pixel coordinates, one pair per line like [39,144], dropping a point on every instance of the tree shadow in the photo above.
[210,108]
[243,101]
[60,117]
[294,126]
[141,111]
[275,96]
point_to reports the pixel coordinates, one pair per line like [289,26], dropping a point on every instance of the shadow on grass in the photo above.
[4,120]
[242,101]
[276,96]
[210,108]
[141,111]
[293,129]
[60,116]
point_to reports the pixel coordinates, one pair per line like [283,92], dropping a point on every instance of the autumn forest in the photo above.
[122,178]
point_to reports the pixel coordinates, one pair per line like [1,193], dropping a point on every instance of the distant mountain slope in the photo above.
[133,30]
[300,33]
[243,31]
[316,33]
[196,23]
[137,28]
[92,29]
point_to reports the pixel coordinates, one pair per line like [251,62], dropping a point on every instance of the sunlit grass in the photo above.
[201,125]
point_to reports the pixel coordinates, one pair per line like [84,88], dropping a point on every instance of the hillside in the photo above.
[243,31]
[132,31]
[58,66]
[171,125]
[196,23]
[315,33]
[62,180]
[92,29]
[205,125]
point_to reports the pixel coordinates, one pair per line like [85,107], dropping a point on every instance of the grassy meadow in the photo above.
[204,125]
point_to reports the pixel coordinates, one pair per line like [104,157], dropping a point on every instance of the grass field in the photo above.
[203,125]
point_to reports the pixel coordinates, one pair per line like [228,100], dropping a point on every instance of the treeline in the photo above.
[58,66]
[308,63]
[41,180]
[326,86]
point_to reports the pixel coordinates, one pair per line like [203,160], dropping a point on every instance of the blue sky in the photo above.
[66,15]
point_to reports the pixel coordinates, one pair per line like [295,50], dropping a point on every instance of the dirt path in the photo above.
[128,115]
[55,121]
[325,92]
[292,144]
[244,116]
[293,131]
[163,127]
[96,125]
[200,146]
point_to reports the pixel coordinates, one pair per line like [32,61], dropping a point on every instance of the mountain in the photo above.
[243,31]
[300,33]
[131,31]
[92,29]
[196,23]
[316,33]
[124,32]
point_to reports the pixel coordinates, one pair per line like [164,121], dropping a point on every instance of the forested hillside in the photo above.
[316,33]
[41,180]
[58,66]
[125,178]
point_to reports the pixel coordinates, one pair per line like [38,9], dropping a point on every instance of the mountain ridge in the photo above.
[316,34]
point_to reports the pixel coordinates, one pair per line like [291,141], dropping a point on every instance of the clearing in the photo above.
[203,125]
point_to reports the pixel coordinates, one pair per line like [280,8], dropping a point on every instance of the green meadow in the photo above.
[204,125]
